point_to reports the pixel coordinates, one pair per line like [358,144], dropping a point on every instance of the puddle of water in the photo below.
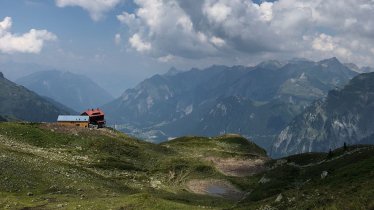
[216,190]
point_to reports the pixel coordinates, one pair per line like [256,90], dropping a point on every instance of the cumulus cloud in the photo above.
[217,41]
[117,39]
[217,11]
[323,42]
[140,45]
[165,59]
[96,8]
[224,28]
[6,24]
[162,28]
[30,42]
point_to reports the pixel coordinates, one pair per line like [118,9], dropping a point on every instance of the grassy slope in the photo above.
[79,168]
[82,167]
[348,185]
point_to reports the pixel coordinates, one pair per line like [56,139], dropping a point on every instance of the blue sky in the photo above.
[84,46]
[154,35]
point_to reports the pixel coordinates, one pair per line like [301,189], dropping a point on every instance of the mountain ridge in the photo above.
[23,104]
[343,117]
[177,101]
[75,91]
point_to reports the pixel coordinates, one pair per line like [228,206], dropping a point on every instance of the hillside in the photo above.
[3,119]
[75,91]
[17,102]
[45,166]
[345,116]
[257,102]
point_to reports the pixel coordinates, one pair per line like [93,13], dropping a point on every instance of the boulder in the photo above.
[324,174]
[279,198]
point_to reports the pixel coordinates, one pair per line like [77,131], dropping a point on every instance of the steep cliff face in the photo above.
[345,116]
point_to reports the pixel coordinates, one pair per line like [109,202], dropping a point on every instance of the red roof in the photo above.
[93,112]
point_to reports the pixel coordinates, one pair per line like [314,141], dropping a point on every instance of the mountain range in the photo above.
[315,106]
[75,91]
[17,102]
[344,117]
[285,107]
[257,102]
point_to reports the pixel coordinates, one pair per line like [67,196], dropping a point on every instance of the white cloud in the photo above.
[200,28]
[266,9]
[138,44]
[126,18]
[217,41]
[30,42]
[343,53]
[96,8]
[324,43]
[217,11]
[161,28]
[6,24]
[117,39]
[166,59]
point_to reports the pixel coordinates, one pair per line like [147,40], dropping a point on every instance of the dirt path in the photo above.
[214,187]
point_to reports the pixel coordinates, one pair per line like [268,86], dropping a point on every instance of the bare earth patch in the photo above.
[238,167]
[78,130]
[213,187]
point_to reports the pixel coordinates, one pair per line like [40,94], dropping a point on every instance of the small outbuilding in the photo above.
[73,120]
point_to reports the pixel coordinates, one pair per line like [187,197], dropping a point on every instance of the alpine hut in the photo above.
[72,120]
[96,117]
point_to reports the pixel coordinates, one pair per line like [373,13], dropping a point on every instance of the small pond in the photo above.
[216,190]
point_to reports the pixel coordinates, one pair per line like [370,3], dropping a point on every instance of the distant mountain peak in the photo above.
[353,67]
[173,71]
[79,91]
[216,66]
[1,75]
[297,60]
[330,61]
[271,64]
[17,101]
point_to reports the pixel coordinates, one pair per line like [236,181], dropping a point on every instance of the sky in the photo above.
[118,43]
